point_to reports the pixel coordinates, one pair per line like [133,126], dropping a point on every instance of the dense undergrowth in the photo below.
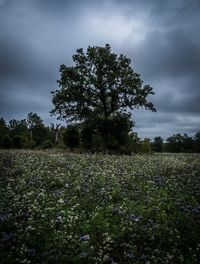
[81,208]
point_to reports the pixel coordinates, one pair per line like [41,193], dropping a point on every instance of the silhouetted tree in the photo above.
[157,144]
[4,131]
[6,142]
[38,132]
[19,141]
[188,143]
[18,127]
[197,142]
[180,143]
[100,84]
[34,122]
[174,143]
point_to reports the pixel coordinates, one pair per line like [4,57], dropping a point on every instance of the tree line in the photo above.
[32,133]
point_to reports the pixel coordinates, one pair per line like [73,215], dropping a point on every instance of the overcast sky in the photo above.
[161,37]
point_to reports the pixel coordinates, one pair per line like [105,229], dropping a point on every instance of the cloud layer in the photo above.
[161,37]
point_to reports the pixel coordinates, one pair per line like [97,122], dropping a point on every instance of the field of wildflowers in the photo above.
[81,208]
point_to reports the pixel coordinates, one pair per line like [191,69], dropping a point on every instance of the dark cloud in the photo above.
[161,37]
[168,54]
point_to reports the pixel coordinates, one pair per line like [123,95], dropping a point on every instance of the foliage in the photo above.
[6,142]
[72,208]
[179,143]
[197,142]
[38,132]
[34,121]
[100,84]
[20,141]
[106,134]
[112,134]
[97,91]
[157,144]
[135,143]
[145,146]
[3,131]
[18,127]
[71,137]
[47,144]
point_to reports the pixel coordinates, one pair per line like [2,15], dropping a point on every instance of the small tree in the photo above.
[146,147]
[135,143]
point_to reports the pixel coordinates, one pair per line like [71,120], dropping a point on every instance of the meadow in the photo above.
[82,208]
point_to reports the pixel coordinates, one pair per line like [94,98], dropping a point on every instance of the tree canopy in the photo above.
[99,84]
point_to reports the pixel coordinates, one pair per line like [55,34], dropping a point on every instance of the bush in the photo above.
[6,142]
[20,141]
[106,134]
[47,144]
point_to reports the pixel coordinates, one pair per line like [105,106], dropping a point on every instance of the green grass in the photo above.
[81,208]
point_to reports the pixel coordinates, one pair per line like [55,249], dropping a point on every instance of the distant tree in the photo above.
[47,144]
[18,127]
[188,143]
[6,142]
[19,141]
[71,137]
[180,143]
[197,142]
[38,132]
[174,143]
[55,131]
[3,131]
[100,84]
[146,146]
[135,142]
[34,121]
[157,144]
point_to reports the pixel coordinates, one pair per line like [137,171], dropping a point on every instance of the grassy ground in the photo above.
[81,208]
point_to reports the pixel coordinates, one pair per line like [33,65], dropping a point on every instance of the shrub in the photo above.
[47,144]
[19,141]
[106,134]
[6,142]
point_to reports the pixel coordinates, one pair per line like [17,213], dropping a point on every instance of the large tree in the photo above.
[99,84]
